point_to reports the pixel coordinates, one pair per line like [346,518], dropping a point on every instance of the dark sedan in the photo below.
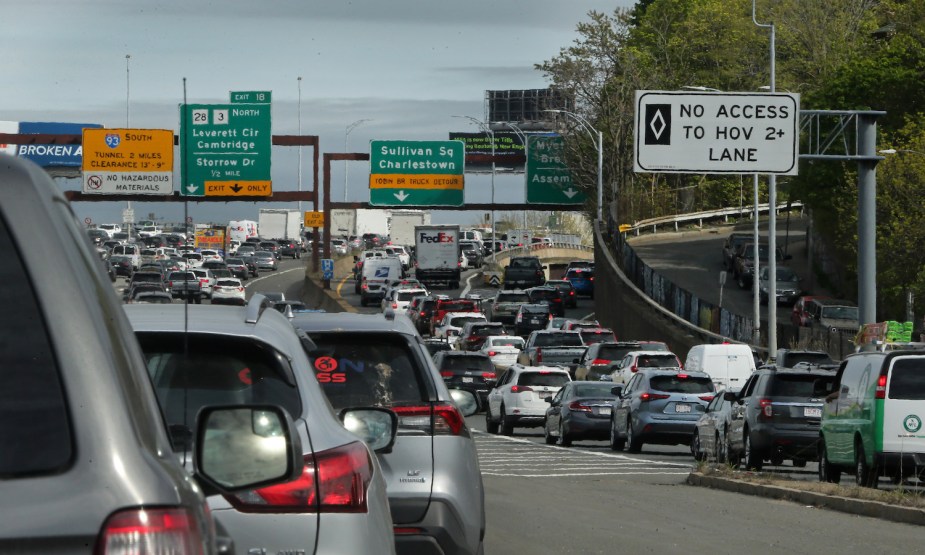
[467,370]
[580,410]
[569,297]
[122,265]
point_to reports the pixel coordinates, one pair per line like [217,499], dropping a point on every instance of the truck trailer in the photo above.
[436,254]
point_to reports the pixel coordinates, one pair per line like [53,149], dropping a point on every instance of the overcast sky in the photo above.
[408,65]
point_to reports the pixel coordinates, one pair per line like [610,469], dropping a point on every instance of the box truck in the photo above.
[275,223]
[436,254]
[401,230]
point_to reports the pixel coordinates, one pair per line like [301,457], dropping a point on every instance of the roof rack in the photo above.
[255,308]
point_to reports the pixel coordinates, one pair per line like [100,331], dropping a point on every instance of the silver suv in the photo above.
[82,440]
[432,474]
[200,355]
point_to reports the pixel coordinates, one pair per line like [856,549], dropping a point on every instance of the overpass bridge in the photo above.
[555,256]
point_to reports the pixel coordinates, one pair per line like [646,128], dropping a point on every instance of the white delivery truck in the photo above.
[436,254]
[372,220]
[401,230]
[276,223]
[240,230]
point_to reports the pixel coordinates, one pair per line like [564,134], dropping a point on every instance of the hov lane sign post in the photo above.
[703,132]
[327,269]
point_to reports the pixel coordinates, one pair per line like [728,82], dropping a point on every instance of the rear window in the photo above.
[513,298]
[512,341]
[657,361]
[615,353]
[558,340]
[677,384]
[907,379]
[357,370]
[579,273]
[596,336]
[403,296]
[485,330]
[541,309]
[549,379]
[593,390]
[467,363]
[812,358]
[798,385]
[216,371]
[461,321]
[457,306]
[182,276]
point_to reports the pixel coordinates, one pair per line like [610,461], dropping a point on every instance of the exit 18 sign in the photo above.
[712,132]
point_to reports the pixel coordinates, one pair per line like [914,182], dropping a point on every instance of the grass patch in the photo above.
[901,496]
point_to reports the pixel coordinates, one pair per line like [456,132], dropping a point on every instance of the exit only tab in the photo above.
[238,188]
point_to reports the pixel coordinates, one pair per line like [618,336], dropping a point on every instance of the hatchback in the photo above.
[228,291]
[266,260]
[519,398]
[637,360]
[503,350]
[659,406]
[199,356]
[531,317]
[580,410]
[432,472]
[473,334]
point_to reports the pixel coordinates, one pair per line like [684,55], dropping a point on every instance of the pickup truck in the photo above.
[553,348]
[523,272]
[185,285]
[505,305]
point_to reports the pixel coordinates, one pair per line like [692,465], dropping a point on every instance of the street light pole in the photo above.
[523,138]
[491,136]
[347,131]
[599,144]
[299,81]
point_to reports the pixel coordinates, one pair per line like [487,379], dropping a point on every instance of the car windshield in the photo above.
[681,383]
[543,377]
[558,340]
[840,312]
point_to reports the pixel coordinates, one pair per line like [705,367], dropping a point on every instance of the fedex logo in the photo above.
[438,238]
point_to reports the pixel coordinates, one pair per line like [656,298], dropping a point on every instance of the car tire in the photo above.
[777,460]
[696,450]
[505,427]
[753,459]
[616,442]
[827,472]
[634,444]
[564,439]
[799,463]
[550,439]
[490,425]
[865,476]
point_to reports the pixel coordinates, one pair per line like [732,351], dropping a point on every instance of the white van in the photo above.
[378,273]
[728,365]
[131,250]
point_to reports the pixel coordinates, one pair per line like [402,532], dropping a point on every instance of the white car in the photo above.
[463,262]
[400,298]
[519,399]
[339,246]
[401,253]
[634,360]
[206,280]
[228,291]
[502,349]
[210,254]
[194,259]
[452,323]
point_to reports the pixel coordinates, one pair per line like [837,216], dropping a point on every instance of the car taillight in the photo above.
[240,289]
[423,314]
[880,392]
[579,406]
[520,388]
[169,284]
[394,305]
[150,531]
[766,410]
[599,362]
[488,375]
[442,419]
[634,369]
[492,353]
[446,373]
[707,398]
[571,293]
[539,354]
[652,396]
[338,486]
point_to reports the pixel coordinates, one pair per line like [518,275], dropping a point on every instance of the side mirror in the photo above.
[356,258]
[375,426]
[246,447]
[729,396]
[466,401]
[548,400]
[617,391]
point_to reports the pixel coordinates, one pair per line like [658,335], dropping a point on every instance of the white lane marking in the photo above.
[585,474]
[276,273]
[465,291]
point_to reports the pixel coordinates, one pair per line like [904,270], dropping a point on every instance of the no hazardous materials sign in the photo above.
[127,161]
[681,132]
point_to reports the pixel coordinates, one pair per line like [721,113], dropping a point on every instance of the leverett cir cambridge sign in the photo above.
[707,132]
[416,173]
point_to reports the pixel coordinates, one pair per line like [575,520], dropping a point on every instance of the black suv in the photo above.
[777,417]
[472,335]
[549,295]
[288,247]
[731,245]
[464,370]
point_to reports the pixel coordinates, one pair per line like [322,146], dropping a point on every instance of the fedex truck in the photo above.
[436,253]
[240,230]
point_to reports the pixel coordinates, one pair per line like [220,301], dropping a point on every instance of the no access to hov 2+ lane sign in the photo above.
[127,161]
[717,132]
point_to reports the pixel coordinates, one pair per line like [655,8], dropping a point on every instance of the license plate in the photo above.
[682,407]
[815,413]
[603,411]
[467,380]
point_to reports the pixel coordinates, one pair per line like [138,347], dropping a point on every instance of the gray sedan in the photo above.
[580,410]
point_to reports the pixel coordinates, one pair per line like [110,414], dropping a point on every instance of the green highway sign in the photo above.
[250,97]
[416,173]
[549,180]
[225,150]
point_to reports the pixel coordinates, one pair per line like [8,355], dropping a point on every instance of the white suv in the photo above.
[519,399]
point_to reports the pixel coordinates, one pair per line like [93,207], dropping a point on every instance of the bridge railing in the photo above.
[652,224]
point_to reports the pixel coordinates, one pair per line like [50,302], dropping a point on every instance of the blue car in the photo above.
[582,280]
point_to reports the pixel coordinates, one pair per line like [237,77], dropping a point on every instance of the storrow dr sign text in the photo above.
[707,132]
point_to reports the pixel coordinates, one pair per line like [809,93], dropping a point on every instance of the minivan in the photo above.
[872,418]
[130,250]
[729,365]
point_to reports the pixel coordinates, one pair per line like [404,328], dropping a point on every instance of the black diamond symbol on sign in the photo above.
[658,124]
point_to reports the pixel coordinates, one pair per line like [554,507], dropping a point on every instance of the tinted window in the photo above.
[367,370]
[558,340]
[798,385]
[216,371]
[34,424]
[657,361]
[677,384]
[512,341]
[549,379]
[457,306]
[461,321]
[593,390]
[596,336]
[841,312]
[543,309]
[907,379]
[407,296]
[513,298]
[812,358]
[467,363]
